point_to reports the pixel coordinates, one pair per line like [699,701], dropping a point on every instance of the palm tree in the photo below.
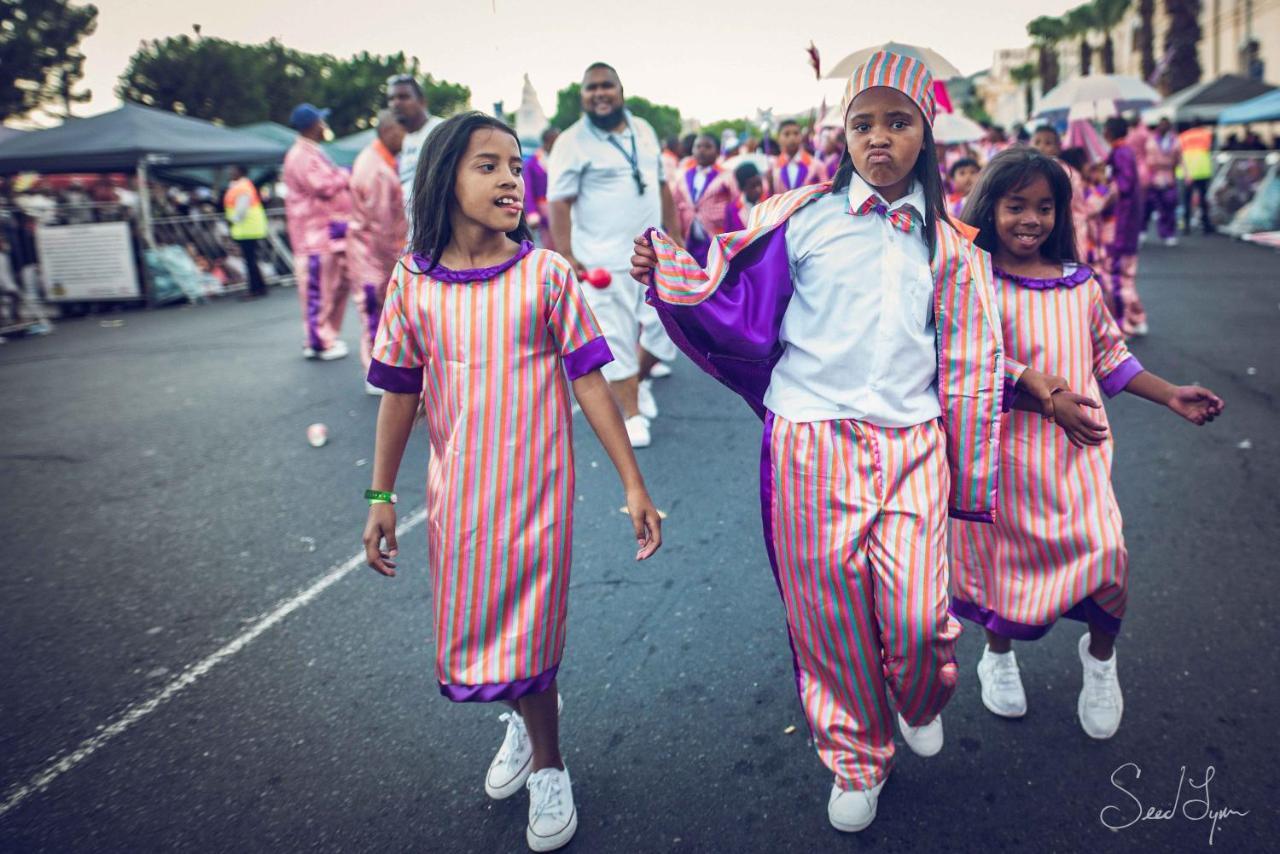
[1081,21]
[1025,75]
[1181,43]
[1147,37]
[1109,14]
[1047,31]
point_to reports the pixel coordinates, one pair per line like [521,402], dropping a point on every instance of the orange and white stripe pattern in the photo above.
[893,70]
[1057,546]
[500,483]
[857,521]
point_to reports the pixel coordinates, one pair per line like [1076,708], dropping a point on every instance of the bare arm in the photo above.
[561,213]
[602,414]
[395,422]
[1194,403]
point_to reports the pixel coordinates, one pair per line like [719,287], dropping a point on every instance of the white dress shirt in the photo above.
[859,331]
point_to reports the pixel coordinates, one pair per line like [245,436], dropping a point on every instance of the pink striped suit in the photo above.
[1056,548]
[492,352]
[708,208]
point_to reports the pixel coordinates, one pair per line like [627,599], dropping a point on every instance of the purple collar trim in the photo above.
[1078,276]
[444,274]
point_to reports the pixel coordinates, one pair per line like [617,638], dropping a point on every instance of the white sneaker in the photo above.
[511,764]
[1171,241]
[923,740]
[644,400]
[337,350]
[1101,704]
[638,431]
[1001,682]
[1140,330]
[308,352]
[851,810]
[553,819]
[371,389]
[660,370]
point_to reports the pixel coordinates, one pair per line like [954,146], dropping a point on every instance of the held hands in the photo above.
[646,521]
[381,526]
[1196,404]
[643,261]
[1040,387]
[1069,414]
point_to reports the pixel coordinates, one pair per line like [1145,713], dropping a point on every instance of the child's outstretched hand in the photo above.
[1068,413]
[1196,404]
[643,260]
[381,526]
[647,522]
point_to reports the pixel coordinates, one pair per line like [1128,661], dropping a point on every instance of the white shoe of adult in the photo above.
[514,760]
[638,431]
[660,370]
[1101,704]
[553,819]
[644,400]
[1140,330]
[851,810]
[337,350]
[1001,682]
[308,352]
[923,740]
[371,389]
[1171,241]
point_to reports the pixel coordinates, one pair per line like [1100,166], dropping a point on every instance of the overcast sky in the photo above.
[712,60]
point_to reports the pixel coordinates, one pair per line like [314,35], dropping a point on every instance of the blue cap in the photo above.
[305,115]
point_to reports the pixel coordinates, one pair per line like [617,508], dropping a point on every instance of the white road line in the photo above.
[188,677]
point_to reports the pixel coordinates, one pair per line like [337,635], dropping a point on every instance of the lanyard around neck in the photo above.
[633,159]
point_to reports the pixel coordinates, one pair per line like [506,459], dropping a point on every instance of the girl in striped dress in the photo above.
[490,332]
[1056,548]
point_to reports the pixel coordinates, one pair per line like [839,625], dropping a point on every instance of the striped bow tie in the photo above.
[899,219]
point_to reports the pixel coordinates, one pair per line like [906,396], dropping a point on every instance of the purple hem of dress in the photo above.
[495,691]
[393,379]
[988,516]
[1085,611]
[1078,276]
[587,358]
[480,274]
[1115,382]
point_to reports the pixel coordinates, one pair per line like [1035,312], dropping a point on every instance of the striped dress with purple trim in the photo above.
[492,352]
[1056,548]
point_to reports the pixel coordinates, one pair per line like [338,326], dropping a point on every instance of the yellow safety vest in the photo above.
[1197,156]
[254,224]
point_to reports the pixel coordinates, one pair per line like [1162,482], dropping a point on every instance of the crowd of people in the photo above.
[926,332]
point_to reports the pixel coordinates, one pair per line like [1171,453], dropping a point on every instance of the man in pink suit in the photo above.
[317,205]
[703,196]
[535,188]
[794,167]
[1164,154]
[375,240]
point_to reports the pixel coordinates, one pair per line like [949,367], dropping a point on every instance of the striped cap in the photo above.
[904,73]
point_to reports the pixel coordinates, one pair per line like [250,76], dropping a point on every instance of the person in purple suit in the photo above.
[1122,170]
[535,188]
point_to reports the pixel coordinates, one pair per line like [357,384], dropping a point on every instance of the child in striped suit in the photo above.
[859,323]
[1057,548]
[491,332]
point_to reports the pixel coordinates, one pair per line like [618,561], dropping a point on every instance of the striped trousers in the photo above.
[855,521]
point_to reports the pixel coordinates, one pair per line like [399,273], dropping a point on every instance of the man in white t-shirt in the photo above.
[408,103]
[606,185]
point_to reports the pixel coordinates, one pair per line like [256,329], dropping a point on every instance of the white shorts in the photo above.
[628,322]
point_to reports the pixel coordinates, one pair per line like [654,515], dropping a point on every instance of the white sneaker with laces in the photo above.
[660,370]
[851,810]
[644,400]
[337,350]
[1101,704]
[923,740]
[511,764]
[638,431]
[553,819]
[1001,682]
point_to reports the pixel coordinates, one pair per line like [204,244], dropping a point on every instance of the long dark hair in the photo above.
[433,198]
[925,171]
[1013,169]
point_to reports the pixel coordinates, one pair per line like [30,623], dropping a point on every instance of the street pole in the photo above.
[147,233]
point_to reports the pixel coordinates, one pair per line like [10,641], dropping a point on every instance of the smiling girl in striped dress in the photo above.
[490,332]
[1056,549]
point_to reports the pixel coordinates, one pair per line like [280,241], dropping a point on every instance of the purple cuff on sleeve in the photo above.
[1009,396]
[1114,382]
[337,229]
[587,358]
[985,516]
[395,380]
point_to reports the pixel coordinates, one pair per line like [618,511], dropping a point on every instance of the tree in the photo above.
[1081,21]
[665,119]
[1146,37]
[1108,15]
[742,127]
[40,58]
[1047,32]
[1181,45]
[1025,75]
[236,84]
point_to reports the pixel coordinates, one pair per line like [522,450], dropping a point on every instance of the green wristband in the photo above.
[375,496]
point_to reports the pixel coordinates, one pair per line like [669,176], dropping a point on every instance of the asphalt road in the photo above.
[177,676]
